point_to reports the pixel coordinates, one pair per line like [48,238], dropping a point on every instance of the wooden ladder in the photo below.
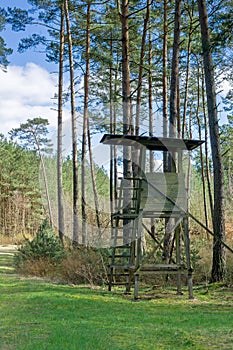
[124,233]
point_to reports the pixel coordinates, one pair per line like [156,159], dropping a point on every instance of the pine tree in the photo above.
[33,136]
[219,254]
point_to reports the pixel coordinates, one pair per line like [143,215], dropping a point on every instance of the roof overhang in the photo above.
[151,143]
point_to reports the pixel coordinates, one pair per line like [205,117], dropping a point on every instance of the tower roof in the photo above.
[152,143]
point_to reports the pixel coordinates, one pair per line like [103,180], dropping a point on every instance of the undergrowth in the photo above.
[45,256]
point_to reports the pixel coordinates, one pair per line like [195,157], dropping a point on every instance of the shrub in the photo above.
[85,265]
[45,246]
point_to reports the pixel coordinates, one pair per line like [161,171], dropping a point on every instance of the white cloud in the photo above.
[26,92]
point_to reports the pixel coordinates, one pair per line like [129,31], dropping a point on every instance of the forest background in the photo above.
[85,42]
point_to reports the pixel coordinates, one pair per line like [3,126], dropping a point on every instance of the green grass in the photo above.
[37,315]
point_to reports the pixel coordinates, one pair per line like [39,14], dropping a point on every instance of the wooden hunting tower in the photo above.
[142,198]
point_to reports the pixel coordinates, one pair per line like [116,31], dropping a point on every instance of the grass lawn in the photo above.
[36,315]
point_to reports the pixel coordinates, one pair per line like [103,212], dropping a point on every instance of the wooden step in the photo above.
[114,266]
[120,256]
[117,266]
[122,216]
[130,187]
[119,283]
[119,247]
[122,227]
[160,268]
[119,274]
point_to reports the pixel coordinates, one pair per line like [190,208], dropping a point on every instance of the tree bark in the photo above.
[44,177]
[61,225]
[126,86]
[219,254]
[150,102]
[74,127]
[165,89]
[173,118]
[207,167]
[201,151]
[126,100]
[175,72]
[85,124]
[190,13]
[141,63]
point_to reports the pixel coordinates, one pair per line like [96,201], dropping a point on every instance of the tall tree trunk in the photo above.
[126,89]
[229,177]
[44,177]
[150,104]
[92,168]
[175,72]
[141,63]
[126,86]
[190,13]
[126,100]
[219,253]
[74,127]
[201,151]
[165,89]
[150,101]
[113,156]
[173,117]
[93,180]
[61,225]
[115,112]
[85,123]
[207,167]
[111,108]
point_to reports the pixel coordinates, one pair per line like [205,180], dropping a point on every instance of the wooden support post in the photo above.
[178,260]
[188,258]
[137,265]
[142,160]
[128,284]
[131,262]
[136,286]
[110,279]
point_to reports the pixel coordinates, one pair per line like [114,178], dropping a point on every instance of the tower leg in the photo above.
[136,286]
[138,261]
[188,258]
[110,279]
[178,259]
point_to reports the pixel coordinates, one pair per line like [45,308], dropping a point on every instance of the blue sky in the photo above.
[28,87]
[30,83]
[12,39]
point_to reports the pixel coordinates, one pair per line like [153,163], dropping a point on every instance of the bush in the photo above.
[85,265]
[45,246]
[45,256]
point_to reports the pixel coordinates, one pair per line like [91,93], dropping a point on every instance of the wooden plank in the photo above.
[160,269]
[161,215]
[160,272]
[155,267]
[163,192]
